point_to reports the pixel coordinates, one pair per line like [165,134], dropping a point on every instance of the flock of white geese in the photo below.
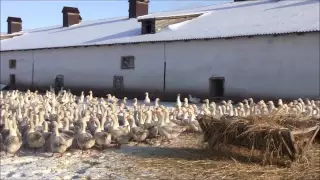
[56,123]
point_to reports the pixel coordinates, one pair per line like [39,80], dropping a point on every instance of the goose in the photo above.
[166,118]
[109,98]
[135,102]
[46,134]
[193,124]
[85,140]
[207,103]
[156,102]
[138,134]
[58,144]
[102,139]
[178,103]
[35,138]
[150,125]
[280,103]
[147,99]
[171,132]
[12,143]
[5,131]
[194,99]
[185,103]
[67,134]
[124,101]
[120,134]
[316,112]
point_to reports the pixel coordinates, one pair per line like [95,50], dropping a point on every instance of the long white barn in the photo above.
[267,49]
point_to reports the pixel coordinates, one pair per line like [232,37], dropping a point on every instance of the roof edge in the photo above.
[161,41]
[174,16]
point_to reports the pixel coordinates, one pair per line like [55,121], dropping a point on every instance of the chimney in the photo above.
[138,8]
[14,24]
[71,16]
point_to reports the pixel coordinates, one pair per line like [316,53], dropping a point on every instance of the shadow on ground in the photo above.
[189,154]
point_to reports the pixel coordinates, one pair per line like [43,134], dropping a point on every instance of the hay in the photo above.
[185,158]
[275,135]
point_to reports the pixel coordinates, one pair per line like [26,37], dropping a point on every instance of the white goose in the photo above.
[194,99]
[179,104]
[147,99]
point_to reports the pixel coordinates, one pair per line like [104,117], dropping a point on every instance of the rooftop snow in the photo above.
[259,17]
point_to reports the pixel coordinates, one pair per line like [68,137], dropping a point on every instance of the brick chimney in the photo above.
[71,16]
[138,8]
[14,24]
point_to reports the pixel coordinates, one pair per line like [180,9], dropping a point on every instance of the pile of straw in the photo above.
[275,135]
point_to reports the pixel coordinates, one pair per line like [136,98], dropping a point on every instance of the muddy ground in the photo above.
[184,158]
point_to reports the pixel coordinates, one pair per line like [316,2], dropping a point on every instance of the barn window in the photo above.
[12,79]
[12,63]
[127,62]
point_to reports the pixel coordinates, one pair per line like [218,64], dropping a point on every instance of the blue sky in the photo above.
[38,13]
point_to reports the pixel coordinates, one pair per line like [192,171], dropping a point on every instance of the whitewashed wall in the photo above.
[90,67]
[283,66]
[96,66]
[23,69]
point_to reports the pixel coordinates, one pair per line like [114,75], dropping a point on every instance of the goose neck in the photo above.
[12,131]
[115,124]
[84,126]
[98,129]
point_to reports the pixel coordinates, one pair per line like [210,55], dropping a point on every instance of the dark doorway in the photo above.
[58,82]
[12,79]
[216,86]
[118,85]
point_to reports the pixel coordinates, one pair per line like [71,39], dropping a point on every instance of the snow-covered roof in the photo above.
[261,17]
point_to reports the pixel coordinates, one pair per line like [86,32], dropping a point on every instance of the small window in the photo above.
[148,27]
[12,79]
[12,63]
[127,62]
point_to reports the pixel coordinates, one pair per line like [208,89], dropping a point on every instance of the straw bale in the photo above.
[275,135]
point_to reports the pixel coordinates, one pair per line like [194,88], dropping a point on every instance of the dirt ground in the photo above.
[184,158]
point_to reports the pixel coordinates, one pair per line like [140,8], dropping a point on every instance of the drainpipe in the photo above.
[164,67]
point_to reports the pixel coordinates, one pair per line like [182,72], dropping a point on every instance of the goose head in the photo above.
[206,101]
[270,103]
[245,101]
[109,96]
[250,100]
[185,100]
